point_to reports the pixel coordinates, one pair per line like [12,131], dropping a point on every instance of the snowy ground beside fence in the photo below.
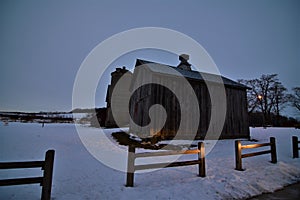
[78,175]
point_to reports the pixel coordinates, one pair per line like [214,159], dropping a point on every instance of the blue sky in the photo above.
[43,43]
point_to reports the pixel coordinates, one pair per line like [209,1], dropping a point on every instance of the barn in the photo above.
[236,123]
[120,99]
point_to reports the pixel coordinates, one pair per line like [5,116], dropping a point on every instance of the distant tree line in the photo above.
[41,117]
[267,98]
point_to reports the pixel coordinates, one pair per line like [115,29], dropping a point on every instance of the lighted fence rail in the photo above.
[295,147]
[45,181]
[131,167]
[239,155]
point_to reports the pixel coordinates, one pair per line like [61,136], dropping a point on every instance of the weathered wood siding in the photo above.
[236,122]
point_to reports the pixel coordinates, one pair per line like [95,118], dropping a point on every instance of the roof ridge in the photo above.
[193,74]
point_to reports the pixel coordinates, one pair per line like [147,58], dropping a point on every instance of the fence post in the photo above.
[47,178]
[130,166]
[295,147]
[201,158]
[273,150]
[238,155]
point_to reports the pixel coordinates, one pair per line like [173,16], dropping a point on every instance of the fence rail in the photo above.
[131,167]
[239,155]
[15,165]
[295,145]
[45,181]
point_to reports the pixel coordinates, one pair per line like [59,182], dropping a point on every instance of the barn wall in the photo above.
[204,106]
[139,102]
[171,105]
[236,123]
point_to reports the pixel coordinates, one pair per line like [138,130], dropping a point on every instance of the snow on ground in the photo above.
[78,175]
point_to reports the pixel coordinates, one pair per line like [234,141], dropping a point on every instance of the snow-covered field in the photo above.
[78,175]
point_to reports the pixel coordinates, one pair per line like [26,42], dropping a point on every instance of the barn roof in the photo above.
[159,68]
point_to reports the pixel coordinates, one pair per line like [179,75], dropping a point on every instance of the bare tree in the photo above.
[267,95]
[279,98]
[252,95]
[295,98]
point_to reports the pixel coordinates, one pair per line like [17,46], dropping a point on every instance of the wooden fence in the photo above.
[45,181]
[239,155]
[131,167]
[295,147]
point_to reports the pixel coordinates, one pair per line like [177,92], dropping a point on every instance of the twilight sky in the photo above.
[43,43]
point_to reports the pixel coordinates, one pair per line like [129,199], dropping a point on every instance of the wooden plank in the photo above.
[130,167]
[48,173]
[164,165]
[13,165]
[238,155]
[295,147]
[273,150]
[252,146]
[201,159]
[21,181]
[255,153]
[166,153]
